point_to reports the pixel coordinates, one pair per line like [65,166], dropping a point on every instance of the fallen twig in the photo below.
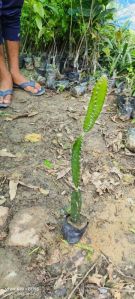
[116,268]
[82,280]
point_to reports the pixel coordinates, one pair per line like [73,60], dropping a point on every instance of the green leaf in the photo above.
[39,22]
[48,164]
[96,103]
[4,113]
[86,247]
[76,203]
[54,9]
[39,9]
[75,161]
[107,51]
[35,250]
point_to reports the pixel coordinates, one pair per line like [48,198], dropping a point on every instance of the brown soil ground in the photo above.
[108,177]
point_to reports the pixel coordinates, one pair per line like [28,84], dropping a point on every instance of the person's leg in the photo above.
[5,77]
[11,33]
[13,59]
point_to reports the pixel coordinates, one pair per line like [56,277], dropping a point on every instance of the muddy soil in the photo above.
[53,267]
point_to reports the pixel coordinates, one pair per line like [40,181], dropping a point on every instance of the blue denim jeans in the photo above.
[10,12]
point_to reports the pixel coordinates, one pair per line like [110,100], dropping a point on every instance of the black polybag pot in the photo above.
[126,107]
[22,61]
[71,233]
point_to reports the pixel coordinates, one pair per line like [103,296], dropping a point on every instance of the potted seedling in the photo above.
[72,229]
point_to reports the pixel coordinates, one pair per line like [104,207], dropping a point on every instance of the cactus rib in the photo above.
[75,161]
[76,204]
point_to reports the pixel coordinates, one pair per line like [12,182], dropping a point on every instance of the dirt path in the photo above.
[41,257]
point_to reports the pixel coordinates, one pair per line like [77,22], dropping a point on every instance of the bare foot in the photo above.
[5,84]
[18,78]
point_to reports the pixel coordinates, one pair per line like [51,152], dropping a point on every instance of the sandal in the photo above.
[32,84]
[4,94]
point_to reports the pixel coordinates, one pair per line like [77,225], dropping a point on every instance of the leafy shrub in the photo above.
[43,21]
[117,50]
[54,21]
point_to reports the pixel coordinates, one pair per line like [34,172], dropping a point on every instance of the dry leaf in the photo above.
[62,173]
[2,200]
[117,171]
[128,179]
[79,261]
[113,118]
[116,294]
[33,137]
[119,285]
[110,271]
[3,235]
[36,188]
[13,184]
[2,291]
[128,153]
[44,191]
[86,177]
[5,153]
[117,143]
[103,183]
[28,186]
[96,279]
[59,283]
[54,258]
[74,277]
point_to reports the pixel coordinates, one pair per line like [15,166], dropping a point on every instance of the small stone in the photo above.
[124,107]
[27,226]
[12,274]
[130,140]
[102,290]
[54,269]
[4,211]
[61,293]
[78,90]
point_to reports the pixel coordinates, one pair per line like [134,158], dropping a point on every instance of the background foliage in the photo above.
[82,30]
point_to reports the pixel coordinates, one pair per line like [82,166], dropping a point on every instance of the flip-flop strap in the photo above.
[7,92]
[26,84]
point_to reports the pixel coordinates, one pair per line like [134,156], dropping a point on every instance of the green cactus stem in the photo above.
[76,204]
[75,161]
[93,111]
[96,103]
